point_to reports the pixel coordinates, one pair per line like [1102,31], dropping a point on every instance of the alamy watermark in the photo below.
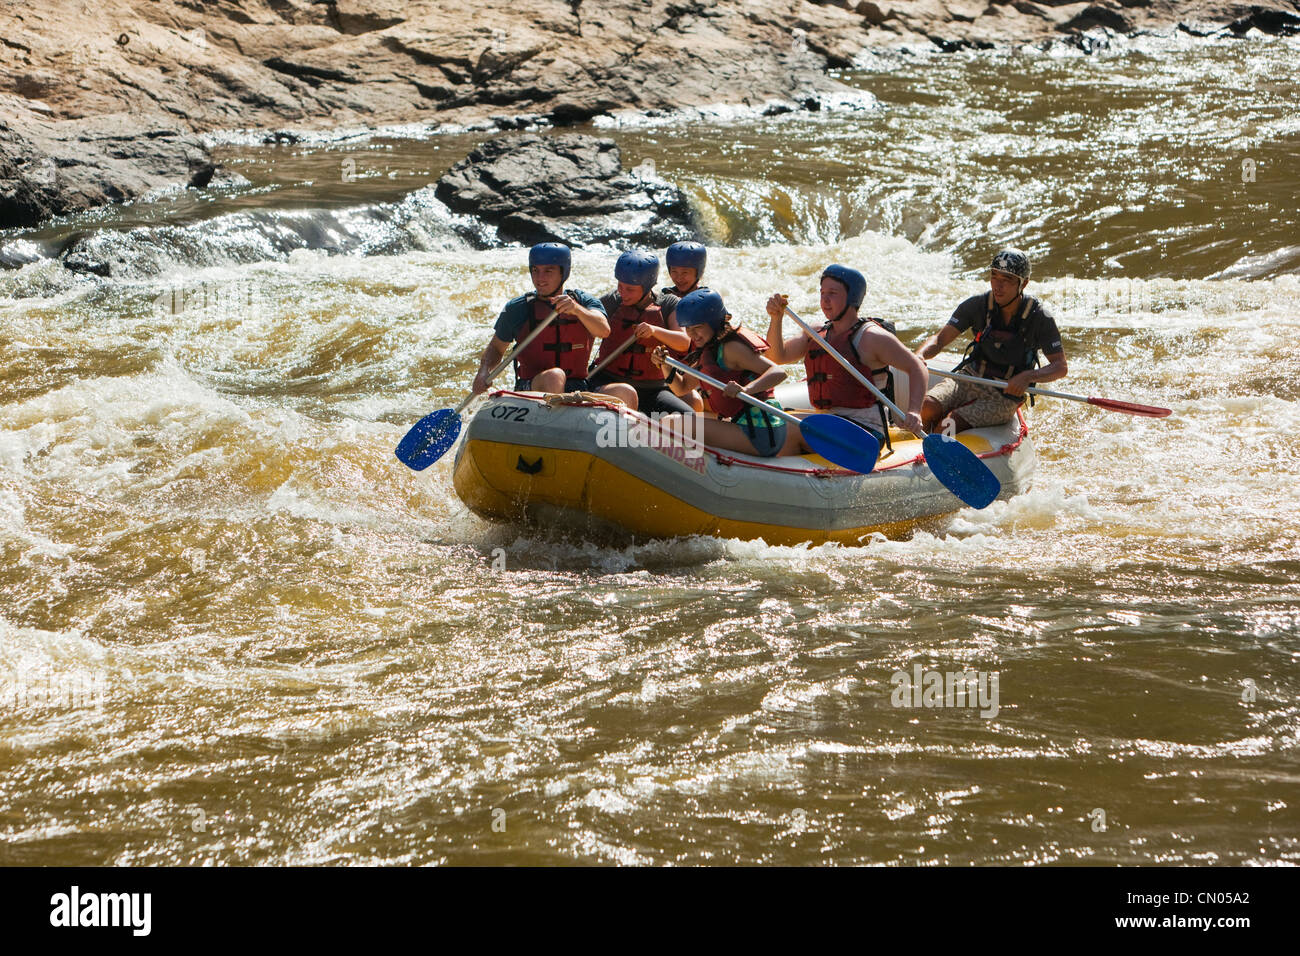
[42,171]
[931,688]
[44,688]
[242,298]
[624,431]
[127,910]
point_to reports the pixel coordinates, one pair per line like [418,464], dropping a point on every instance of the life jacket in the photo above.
[634,364]
[709,361]
[566,344]
[997,351]
[829,385]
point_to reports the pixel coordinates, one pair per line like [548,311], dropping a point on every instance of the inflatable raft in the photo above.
[587,462]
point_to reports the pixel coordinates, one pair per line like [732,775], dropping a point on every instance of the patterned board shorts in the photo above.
[979,406]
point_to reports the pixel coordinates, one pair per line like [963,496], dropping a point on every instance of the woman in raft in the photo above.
[637,312]
[733,355]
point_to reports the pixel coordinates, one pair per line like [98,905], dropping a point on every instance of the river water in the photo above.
[234,629]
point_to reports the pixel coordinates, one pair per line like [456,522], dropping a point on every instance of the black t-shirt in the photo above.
[1039,327]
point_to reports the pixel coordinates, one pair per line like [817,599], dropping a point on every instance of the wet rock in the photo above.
[1095,15]
[14,255]
[1199,28]
[1267,20]
[1094,40]
[57,168]
[79,257]
[568,188]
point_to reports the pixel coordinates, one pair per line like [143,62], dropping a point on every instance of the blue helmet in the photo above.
[692,255]
[702,307]
[854,282]
[638,267]
[551,254]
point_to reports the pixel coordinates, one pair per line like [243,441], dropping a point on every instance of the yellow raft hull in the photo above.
[524,459]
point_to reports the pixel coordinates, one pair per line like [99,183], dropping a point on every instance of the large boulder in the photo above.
[567,188]
[56,168]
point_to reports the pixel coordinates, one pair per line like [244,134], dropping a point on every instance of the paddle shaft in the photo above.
[848,367]
[505,362]
[627,343]
[743,396]
[1132,408]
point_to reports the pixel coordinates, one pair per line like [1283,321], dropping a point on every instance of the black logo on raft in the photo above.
[102,909]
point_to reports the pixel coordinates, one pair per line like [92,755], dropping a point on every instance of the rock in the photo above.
[1199,28]
[872,13]
[183,66]
[1267,20]
[273,63]
[1091,41]
[364,16]
[567,188]
[78,257]
[1096,15]
[57,168]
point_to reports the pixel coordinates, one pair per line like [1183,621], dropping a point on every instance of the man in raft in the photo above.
[1010,329]
[635,310]
[734,355]
[863,341]
[555,361]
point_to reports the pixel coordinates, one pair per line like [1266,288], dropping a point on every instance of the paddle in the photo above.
[627,343]
[956,466]
[1114,405]
[430,437]
[836,439]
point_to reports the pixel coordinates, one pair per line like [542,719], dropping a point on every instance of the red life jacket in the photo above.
[829,385]
[710,363]
[634,364]
[566,344]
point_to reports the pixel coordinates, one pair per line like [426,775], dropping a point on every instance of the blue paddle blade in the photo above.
[841,442]
[961,471]
[429,439]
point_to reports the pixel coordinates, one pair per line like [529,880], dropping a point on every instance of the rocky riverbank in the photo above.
[101,103]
